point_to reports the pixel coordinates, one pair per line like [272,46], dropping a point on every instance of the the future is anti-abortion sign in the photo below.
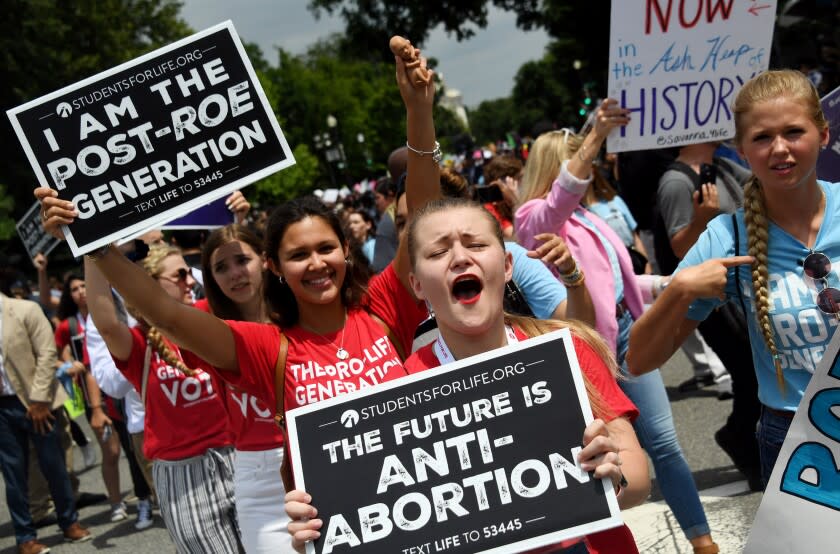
[476,456]
[678,65]
[154,138]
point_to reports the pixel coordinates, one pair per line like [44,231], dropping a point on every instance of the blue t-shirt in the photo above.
[617,215]
[802,331]
[539,286]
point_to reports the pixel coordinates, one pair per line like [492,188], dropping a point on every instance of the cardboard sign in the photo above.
[803,494]
[215,214]
[476,456]
[679,64]
[32,233]
[828,164]
[153,139]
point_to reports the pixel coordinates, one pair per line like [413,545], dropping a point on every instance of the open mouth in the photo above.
[239,286]
[783,167]
[467,289]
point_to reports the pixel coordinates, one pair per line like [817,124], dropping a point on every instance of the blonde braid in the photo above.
[757,238]
[162,348]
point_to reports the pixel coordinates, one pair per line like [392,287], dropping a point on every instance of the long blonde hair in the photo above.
[546,156]
[767,86]
[153,264]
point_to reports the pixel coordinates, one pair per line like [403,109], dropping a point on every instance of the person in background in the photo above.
[503,172]
[362,232]
[29,397]
[787,232]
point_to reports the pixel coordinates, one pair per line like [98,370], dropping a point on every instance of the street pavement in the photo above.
[730,506]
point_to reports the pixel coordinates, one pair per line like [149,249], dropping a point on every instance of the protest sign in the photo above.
[800,509]
[154,138]
[476,456]
[678,65]
[32,233]
[828,164]
[214,214]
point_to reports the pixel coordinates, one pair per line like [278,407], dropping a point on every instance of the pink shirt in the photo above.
[555,214]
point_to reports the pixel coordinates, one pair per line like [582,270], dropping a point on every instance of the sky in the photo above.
[482,68]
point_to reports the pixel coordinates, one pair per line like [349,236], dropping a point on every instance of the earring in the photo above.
[823,147]
[280,278]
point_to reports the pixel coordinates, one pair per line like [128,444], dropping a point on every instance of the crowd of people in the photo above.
[186,355]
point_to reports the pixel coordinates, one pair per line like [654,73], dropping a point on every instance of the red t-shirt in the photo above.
[505,223]
[250,419]
[184,415]
[618,540]
[62,338]
[313,372]
[389,300]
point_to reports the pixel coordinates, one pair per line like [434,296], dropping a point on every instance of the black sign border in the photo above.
[564,339]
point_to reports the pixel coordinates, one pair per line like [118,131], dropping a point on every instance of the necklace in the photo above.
[340,353]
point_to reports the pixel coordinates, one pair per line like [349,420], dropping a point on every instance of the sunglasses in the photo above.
[183,273]
[817,266]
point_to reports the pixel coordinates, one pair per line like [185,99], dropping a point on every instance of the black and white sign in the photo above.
[476,456]
[32,233]
[154,138]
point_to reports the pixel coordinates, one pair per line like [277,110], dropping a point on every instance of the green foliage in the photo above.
[7,222]
[292,182]
[492,119]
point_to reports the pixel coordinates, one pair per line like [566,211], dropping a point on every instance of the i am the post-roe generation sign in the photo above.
[476,456]
[678,65]
[154,138]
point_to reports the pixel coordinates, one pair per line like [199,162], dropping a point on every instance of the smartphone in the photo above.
[708,174]
[490,193]
[106,433]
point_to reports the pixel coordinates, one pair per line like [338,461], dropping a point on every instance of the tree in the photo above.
[492,119]
[292,182]
[370,23]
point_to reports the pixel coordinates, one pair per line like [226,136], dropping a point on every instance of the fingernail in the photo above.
[307,498]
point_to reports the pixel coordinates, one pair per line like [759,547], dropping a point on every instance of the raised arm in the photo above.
[103,311]
[422,183]
[204,334]
[44,293]
[549,213]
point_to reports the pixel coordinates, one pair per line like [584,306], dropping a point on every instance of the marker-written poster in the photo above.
[154,138]
[478,456]
[800,510]
[678,65]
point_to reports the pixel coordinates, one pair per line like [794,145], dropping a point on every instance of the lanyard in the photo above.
[444,355]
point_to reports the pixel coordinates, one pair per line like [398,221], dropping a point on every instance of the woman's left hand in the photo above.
[600,453]
[239,205]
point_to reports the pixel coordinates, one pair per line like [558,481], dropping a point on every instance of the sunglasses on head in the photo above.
[183,273]
[817,266]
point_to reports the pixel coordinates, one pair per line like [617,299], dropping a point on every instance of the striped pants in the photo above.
[197,504]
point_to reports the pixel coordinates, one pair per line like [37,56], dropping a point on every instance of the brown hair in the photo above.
[764,87]
[153,264]
[530,326]
[222,306]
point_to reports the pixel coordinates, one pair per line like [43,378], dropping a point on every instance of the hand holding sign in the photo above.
[609,116]
[304,526]
[54,211]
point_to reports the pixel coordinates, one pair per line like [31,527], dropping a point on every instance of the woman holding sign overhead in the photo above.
[774,255]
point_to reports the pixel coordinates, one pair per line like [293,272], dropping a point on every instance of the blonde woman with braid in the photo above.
[186,430]
[776,258]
